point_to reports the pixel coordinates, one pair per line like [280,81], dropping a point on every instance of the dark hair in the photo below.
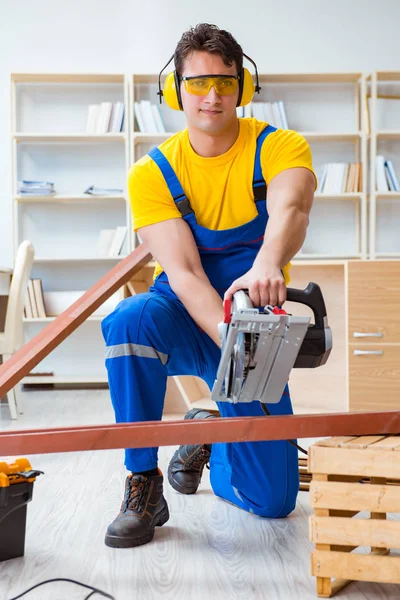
[208,38]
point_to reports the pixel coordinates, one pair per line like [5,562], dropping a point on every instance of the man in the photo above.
[193,205]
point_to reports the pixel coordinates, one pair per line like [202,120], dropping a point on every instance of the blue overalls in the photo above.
[151,336]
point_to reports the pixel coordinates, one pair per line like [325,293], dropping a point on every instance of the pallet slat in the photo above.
[367,567]
[337,495]
[345,461]
[355,532]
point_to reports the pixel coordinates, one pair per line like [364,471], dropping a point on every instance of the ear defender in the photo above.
[172,92]
[246,88]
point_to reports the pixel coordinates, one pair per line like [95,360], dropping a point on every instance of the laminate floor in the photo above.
[209,549]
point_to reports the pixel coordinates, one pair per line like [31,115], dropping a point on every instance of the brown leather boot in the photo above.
[187,464]
[143,508]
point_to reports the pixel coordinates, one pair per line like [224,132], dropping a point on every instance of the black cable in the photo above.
[265,409]
[90,587]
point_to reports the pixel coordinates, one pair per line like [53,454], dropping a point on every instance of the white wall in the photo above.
[138,36]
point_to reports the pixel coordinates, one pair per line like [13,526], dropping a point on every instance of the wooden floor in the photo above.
[208,550]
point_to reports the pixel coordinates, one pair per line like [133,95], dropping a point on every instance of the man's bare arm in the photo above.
[172,245]
[289,199]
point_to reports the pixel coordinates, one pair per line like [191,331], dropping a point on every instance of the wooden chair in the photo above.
[12,338]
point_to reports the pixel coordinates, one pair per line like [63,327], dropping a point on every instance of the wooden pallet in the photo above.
[351,475]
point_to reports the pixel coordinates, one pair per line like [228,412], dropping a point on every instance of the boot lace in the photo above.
[198,460]
[134,495]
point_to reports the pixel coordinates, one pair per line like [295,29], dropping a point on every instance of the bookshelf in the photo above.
[50,142]
[383,89]
[327,109]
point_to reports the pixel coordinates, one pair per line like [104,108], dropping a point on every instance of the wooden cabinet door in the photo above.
[374,301]
[374,377]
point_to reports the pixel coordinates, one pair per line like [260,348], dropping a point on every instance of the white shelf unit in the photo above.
[384,114]
[328,109]
[49,142]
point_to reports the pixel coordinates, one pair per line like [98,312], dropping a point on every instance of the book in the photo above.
[39,298]
[381,181]
[32,300]
[97,191]
[117,241]
[104,242]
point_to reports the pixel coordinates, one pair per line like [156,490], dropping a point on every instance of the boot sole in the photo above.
[114,541]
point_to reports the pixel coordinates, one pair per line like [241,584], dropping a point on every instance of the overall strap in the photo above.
[174,186]
[259,185]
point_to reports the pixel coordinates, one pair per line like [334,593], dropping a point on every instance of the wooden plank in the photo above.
[357,532]
[343,461]
[388,443]
[205,431]
[356,567]
[355,496]
[27,357]
[362,442]
[334,442]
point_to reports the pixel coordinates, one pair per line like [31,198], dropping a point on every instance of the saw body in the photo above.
[261,346]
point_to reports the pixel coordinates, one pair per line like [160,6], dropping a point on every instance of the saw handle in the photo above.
[311,297]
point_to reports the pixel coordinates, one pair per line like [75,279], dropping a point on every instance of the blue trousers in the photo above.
[151,336]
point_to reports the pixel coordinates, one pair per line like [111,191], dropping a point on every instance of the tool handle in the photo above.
[311,297]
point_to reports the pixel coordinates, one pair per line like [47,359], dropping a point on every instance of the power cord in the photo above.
[265,409]
[94,590]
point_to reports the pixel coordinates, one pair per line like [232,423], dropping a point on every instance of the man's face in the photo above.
[212,113]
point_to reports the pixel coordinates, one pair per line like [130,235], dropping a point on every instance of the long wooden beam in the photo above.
[204,431]
[27,357]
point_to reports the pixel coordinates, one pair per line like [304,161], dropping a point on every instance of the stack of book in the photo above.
[340,178]
[105,117]
[271,112]
[148,117]
[386,178]
[98,191]
[111,241]
[34,307]
[36,188]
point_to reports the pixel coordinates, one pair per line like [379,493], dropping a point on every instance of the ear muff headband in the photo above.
[172,93]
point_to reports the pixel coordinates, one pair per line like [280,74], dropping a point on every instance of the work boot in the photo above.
[187,464]
[143,508]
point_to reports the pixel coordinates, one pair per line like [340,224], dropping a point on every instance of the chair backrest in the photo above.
[16,299]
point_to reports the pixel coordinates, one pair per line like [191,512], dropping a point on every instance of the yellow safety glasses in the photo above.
[224,85]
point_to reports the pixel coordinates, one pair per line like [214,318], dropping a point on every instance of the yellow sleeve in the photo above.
[285,149]
[149,196]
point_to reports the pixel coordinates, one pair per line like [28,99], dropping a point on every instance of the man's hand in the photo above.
[266,285]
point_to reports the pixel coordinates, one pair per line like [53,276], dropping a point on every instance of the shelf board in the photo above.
[388,75]
[50,319]
[48,259]
[58,198]
[344,196]
[63,379]
[324,258]
[69,137]
[310,77]
[331,136]
[318,262]
[387,195]
[388,134]
[387,254]
[67,78]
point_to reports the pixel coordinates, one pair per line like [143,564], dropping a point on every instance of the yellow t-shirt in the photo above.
[219,188]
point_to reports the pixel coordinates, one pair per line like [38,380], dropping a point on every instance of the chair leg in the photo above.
[12,403]
[13,396]
[18,398]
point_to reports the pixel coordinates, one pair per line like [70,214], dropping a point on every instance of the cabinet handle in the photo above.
[357,334]
[361,352]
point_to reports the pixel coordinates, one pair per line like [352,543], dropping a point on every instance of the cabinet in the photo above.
[374,335]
